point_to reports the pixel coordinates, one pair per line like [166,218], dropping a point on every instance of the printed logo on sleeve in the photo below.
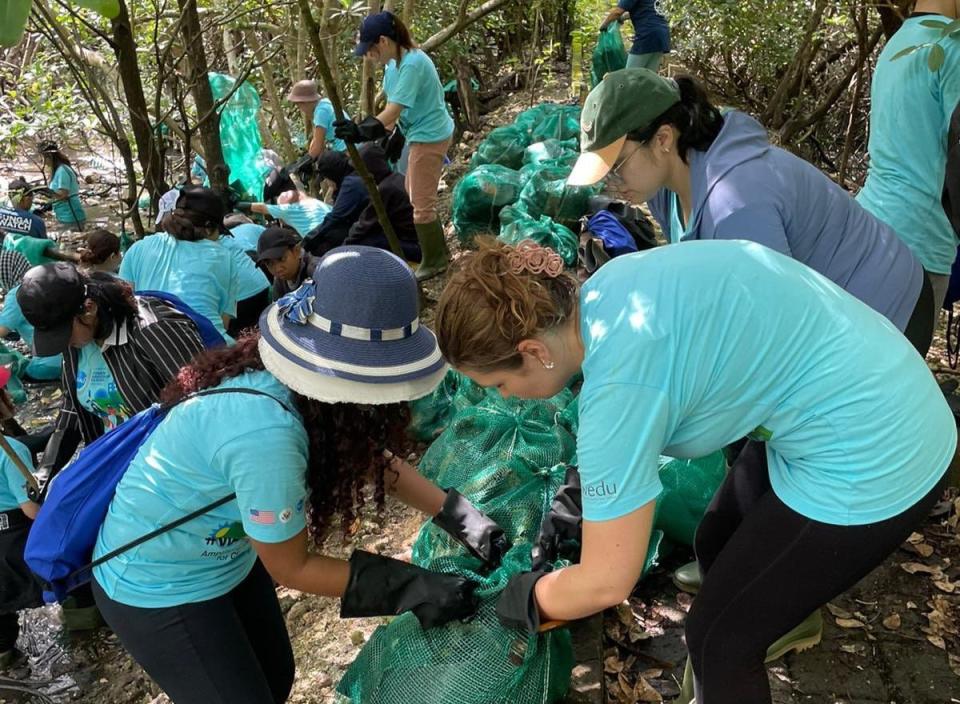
[285,515]
[600,489]
[264,518]
[299,507]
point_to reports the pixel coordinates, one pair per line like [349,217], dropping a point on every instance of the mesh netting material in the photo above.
[609,54]
[547,193]
[551,151]
[542,230]
[240,135]
[504,146]
[479,196]
[688,487]
[563,123]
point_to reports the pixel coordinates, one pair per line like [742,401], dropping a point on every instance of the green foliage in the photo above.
[936,56]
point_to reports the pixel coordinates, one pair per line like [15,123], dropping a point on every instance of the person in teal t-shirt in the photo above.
[186,259]
[196,605]
[318,112]
[415,100]
[297,210]
[13,320]
[253,287]
[683,350]
[63,181]
[910,108]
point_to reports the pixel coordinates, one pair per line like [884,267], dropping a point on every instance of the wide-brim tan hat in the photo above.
[304,91]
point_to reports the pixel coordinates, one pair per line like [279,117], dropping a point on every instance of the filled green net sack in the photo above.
[609,54]
[546,193]
[563,123]
[479,196]
[504,146]
[542,230]
[552,151]
[531,117]
[431,414]
[240,135]
[688,487]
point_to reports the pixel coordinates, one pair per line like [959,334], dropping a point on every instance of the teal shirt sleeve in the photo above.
[623,429]
[64,179]
[407,83]
[11,317]
[323,116]
[128,265]
[16,484]
[267,470]
[950,84]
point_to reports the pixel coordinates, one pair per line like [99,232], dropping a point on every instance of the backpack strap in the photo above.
[190,516]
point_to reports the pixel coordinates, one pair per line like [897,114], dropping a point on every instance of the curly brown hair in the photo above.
[345,440]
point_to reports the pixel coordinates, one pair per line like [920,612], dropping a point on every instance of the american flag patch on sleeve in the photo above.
[263,517]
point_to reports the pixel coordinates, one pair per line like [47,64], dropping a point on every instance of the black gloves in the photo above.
[517,607]
[349,131]
[562,523]
[472,528]
[382,586]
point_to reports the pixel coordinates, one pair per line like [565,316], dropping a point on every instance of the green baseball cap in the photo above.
[624,101]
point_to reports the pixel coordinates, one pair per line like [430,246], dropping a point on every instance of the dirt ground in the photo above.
[893,639]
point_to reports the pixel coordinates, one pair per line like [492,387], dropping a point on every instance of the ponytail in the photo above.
[186,225]
[402,34]
[115,301]
[696,119]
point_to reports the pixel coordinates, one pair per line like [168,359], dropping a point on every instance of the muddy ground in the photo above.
[893,639]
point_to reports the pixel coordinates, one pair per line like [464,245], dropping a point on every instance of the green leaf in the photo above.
[904,52]
[935,57]
[934,24]
[952,27]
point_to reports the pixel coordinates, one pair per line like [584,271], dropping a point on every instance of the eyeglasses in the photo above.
[615,170]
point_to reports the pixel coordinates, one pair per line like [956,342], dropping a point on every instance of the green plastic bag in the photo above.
[33,249]
[13,20]
[551,151]
[479,196]
[563,123]
[609,54]
[688,487]
[543,231]
[503,146]
[547,193]
[240,135]
[530,118]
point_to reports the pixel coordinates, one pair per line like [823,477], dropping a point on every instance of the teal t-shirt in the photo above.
[97,390]
[416,86]
[247,235]
[202,274]
[910,108]
[324,116]
[205,449]
[11,317]
[689,348]
[677,230]
[250,280]
[68,211]
[302,216]
[13,487]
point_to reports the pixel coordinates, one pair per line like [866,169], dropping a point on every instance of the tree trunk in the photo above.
[368,88]
[451,30]
[209,119]
[469,106]
[148,152]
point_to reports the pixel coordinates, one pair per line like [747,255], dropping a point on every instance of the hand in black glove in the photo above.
[349,131]
[472,528]
[517,607]
[382,586]
[563,523]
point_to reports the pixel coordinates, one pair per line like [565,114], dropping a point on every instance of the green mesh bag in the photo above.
[552,151]
[688,487]
[431,414]
[479,196]
[609,54]
[503,146]
[563,123]
[542,230]
[240,136]
[530,118]
[546,193]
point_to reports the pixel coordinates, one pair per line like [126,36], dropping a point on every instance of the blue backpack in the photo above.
[209,334]
[60,544]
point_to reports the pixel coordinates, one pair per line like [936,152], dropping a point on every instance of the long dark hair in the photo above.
[115,301]
[345,440]
[186,225]
[50,149]
[101,244]
[402,34]
[695,117]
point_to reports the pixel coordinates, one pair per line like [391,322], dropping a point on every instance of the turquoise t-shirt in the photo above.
[677,230]
[301,216]
[13,487]
[203,274]
[247,235]
[324,116]
[205,449]
[910,108]
[689,348]
[11,317]
[68,211]
[97,389]
[416,86]
[250,280]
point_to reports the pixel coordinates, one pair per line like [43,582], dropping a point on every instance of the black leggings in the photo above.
[230,650]
[766,568]
[919,330]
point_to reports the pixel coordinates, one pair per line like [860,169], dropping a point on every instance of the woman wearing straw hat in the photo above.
[318,113]
[325,388]
[415,101]
[683,350]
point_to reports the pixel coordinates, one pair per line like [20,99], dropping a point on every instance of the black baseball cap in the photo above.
[206,202]
[274,243]
[51,296]
[372,28]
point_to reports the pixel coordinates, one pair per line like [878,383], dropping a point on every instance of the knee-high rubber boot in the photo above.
[434,250]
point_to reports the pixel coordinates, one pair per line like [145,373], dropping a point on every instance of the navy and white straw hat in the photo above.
[352,334]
